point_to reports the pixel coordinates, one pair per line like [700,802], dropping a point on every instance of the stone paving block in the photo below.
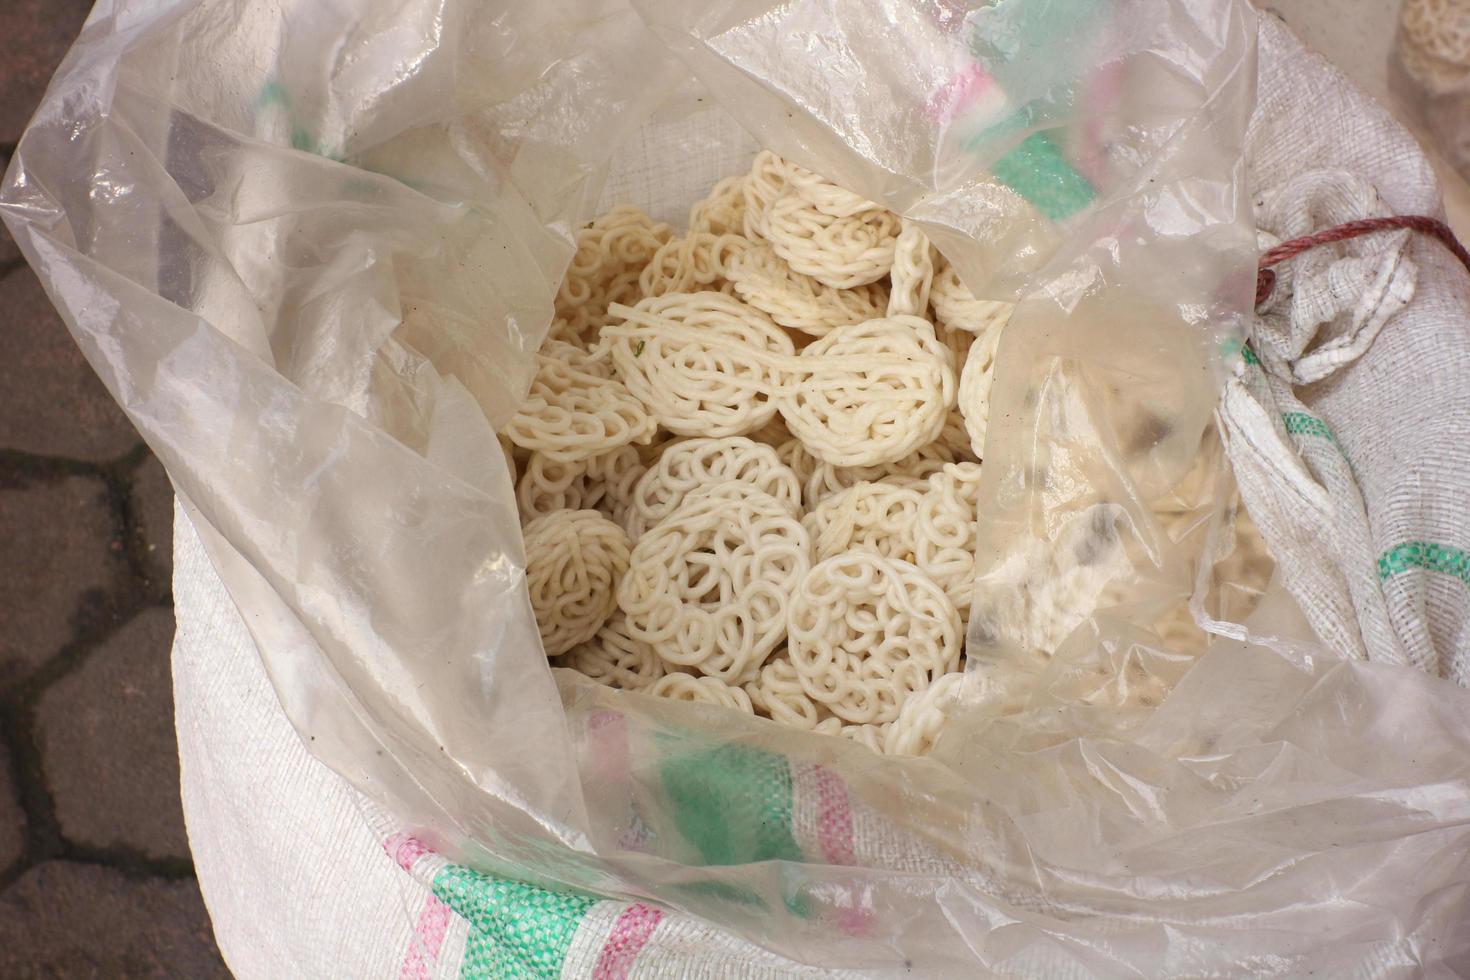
[153,503]
[51,402]
[56,556]
[34,34]
[9,251]
[106,733]
[81,921]
[12,817]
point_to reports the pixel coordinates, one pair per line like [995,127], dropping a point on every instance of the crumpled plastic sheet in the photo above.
[311,248]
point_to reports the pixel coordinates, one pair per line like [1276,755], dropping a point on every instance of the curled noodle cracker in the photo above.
[703,364]
[825,196]
[767,180]
[877,517]
[945,531]
[695,463]
[842,252]
[820,480]
[684,264]
[611,252]
[958,309]
[866,632]
[575,356]
[574,561]
[708,587]
[799,302]
[976,380]
[955,438]
[871,393]
[777,694]
[604,483]
[703,690]
[614,658]
[872,736]
[912,273]
[722,211]
[571,414]
[925,715]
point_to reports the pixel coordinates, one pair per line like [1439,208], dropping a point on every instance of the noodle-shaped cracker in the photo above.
[703,690]
[722,211]
[575,356]
[955,438]
[764,280]
[945,533]
[709,586]
[687,263]
[825,196]
[877,517]
[776,693]
[767,180]
[604,483]
[869,736]
[574,562]
[912,273]
[703,364]
[975,383]
[563,332]
[614,658]
[611,252]
[820,480]
[924,717]
[799,461]
[571,413]
[841,252]
[866,632]
[871,393]
[957,307]
[696,463]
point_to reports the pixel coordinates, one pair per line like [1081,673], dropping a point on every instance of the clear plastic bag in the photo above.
[311,248]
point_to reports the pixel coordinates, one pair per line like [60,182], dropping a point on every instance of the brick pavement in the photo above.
[95,874]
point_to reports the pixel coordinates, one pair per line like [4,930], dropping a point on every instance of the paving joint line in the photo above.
[21,469]
[98,615]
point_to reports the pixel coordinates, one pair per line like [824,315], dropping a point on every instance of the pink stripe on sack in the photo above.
[612,761]
[1101,98]
[405,849]
[835,837]
[958,94]
[834,817]
[433,923]
[609,734]
[628,937]
[856,921]
[428,937]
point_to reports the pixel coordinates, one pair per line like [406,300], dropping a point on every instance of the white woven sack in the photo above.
[1349,439]
[293,865]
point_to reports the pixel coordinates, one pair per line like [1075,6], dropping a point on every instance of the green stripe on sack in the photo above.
[1233,347]
[516,930]
[733,803]
[1302,424]
[1038,172]
[1428,556]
